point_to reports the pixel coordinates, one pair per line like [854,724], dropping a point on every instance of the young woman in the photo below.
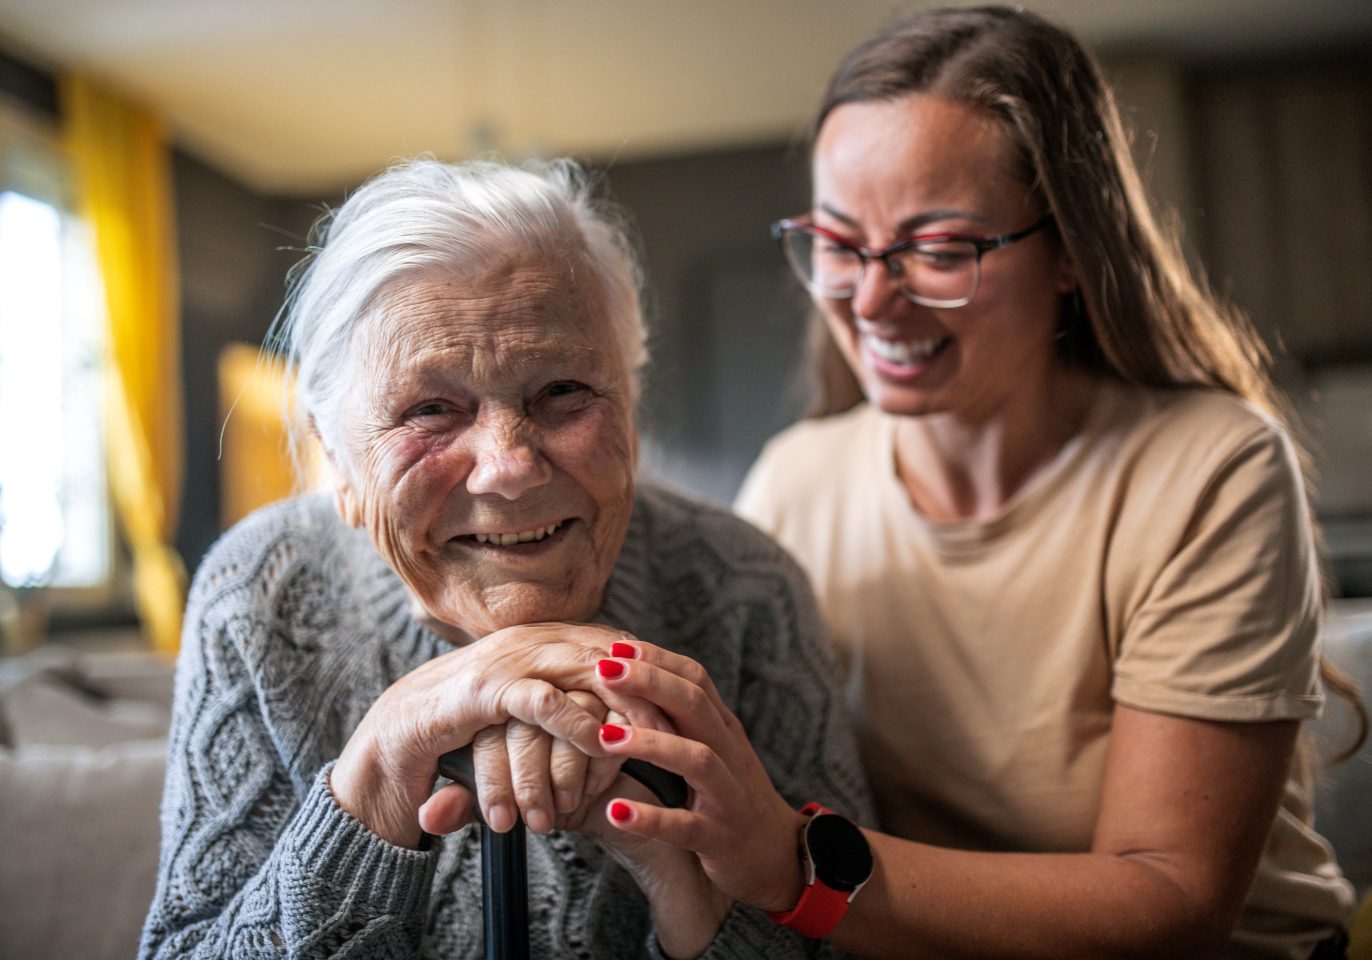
[1062,543]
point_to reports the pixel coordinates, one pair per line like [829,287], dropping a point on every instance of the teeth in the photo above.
[524,536]
[903,351]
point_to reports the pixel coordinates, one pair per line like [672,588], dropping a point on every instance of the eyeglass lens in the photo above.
[942,272]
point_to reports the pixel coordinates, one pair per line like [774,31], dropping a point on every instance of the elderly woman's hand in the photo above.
[522,770]
[522,673]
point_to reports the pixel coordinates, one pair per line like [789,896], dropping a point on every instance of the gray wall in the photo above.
[233,271]
[727,319]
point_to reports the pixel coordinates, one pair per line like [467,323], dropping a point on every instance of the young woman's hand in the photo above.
[741,830]
[688,909]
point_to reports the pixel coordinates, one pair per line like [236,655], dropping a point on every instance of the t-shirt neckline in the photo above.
[973,535]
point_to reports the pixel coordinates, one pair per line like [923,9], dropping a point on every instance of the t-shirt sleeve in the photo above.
[1227,628]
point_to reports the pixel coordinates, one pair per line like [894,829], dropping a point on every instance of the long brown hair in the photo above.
[1141,315]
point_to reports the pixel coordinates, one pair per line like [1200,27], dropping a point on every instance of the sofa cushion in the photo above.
[56,694]
[80,783]
[1342,797]
[54,707]
[80,828]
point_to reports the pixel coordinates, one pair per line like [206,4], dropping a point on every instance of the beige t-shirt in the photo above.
[1164,560]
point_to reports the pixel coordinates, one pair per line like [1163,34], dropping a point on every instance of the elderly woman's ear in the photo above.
[345,502]
[344,497]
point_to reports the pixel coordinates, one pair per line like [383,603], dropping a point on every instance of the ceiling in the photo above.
[297,96]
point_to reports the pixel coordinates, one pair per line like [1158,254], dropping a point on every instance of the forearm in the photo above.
[325,879]
[951,904]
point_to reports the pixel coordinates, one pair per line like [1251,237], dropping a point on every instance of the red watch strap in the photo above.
[818,911]
[819,908]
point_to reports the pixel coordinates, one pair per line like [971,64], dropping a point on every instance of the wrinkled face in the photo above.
[886,170]
[491,443]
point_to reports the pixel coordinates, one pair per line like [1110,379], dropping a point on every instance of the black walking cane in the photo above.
[504,866]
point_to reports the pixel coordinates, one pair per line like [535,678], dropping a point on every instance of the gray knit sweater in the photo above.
[294,628]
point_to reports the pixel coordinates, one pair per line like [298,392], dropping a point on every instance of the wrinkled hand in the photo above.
[741,830]
[522,674]
[522,771]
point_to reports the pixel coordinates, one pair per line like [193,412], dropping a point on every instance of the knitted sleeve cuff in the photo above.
[338,849]
[747,934]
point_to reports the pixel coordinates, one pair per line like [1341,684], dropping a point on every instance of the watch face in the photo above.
[839,851]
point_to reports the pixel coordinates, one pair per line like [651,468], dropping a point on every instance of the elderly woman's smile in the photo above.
[492,447]
[512,539]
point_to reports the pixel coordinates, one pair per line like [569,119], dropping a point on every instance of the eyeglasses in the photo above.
[934,269]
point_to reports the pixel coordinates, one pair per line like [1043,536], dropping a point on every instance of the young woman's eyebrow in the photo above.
[910,224]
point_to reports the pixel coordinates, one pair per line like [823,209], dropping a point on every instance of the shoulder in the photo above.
[1192,440]
[251,550]
[292,569]
[1211,572]
[1199,422]
[703,563]
[720,589]
[799,466]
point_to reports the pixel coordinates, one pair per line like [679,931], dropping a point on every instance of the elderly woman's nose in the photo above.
[507,463]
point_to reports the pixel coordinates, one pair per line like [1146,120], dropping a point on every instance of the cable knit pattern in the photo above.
[294,628]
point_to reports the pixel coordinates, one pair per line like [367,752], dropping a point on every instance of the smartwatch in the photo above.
[838,861]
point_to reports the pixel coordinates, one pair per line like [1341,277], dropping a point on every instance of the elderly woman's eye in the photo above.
[430,409]
[565,388]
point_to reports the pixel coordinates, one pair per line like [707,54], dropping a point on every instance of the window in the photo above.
[55,521]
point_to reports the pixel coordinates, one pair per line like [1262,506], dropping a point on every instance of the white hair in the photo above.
[422,214]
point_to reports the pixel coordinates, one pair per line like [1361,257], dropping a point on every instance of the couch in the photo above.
[81,773]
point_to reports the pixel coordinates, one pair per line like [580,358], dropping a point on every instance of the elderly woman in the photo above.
[468,340]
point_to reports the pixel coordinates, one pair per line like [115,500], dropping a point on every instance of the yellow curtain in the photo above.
[254,467]
[125,189]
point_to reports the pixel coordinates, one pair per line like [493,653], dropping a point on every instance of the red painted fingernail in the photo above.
[621,811]
[609,668]
[612,732]
[626,650]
